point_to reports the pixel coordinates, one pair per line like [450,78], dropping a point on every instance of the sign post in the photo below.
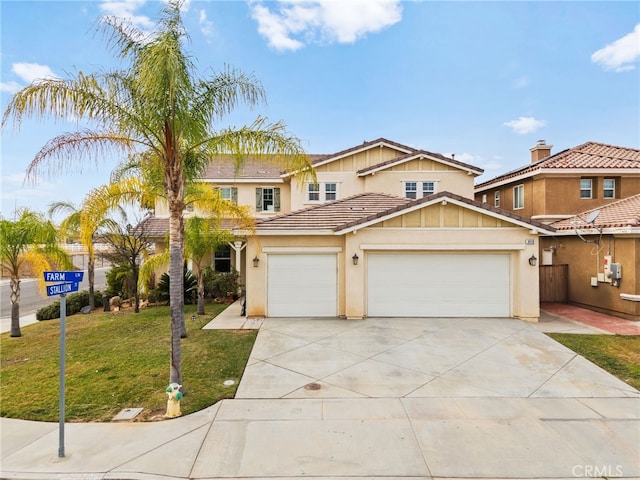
[70,282]
[63,318]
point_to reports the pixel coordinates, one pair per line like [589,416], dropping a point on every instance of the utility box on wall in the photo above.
[616,274]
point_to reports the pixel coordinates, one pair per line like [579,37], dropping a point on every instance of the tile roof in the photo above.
[590,155]
[366,207]
[223,167]
[624,213]
[415,154]
[334,215]
[158,227]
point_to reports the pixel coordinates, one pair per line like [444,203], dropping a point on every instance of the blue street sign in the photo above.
[63,276]
[61,288]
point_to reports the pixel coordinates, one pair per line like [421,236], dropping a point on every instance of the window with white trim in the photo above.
[313,192]
[609,188]
[229,193]
[417,189]
[330,191]
[322,192]
[496,199]
[586,188]
[267,199]
[222,259]
[518,197]
[411,190]
[428,188]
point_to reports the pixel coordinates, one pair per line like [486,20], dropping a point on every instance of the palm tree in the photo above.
[156,111]
[84,226]
[31,241]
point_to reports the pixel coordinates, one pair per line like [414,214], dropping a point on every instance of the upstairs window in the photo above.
[229,193]
[609,188]
[411,190]
[313,192]
[330,191]
[322,192]
[416,189]
[496,199]
[586,188]
[518,197]
[428,188]
[267,199]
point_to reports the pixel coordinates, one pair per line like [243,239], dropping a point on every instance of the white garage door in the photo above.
[438,285]
[302,286]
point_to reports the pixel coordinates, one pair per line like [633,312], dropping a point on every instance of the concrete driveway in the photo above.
[417,358]
[398,399]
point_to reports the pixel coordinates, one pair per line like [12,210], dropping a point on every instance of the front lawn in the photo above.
[117,360]
[617,354]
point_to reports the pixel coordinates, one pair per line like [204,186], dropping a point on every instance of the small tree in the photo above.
[31,241]
[129,246]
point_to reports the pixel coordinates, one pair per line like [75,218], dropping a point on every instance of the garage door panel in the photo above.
[428,284]
[302,285]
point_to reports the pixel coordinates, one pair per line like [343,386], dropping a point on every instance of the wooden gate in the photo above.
[553,283]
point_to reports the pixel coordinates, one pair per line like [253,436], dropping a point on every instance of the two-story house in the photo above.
[387,230]
[593,180]
[555,187]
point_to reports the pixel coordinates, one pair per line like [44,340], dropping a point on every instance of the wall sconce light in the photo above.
[256,261]
[533,260]
[355,258]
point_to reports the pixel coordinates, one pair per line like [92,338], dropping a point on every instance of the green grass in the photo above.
[117,360]
[617,354]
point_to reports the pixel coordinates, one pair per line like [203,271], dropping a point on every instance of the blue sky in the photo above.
[483,80]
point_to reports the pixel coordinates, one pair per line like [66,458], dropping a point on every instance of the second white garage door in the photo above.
[302,285]
[438,285]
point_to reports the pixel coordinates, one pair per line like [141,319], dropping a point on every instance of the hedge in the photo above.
[75,302]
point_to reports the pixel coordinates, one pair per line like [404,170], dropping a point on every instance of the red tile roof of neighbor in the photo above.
[590,155]
[366,207]
[621,214]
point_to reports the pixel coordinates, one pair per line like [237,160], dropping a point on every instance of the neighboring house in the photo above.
[555,187]
[375,254]
[379,166]
[603,257]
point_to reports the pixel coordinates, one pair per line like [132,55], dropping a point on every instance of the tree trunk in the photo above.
[136,294]
[15,307]
[176,288]
[91,263]
[200,292]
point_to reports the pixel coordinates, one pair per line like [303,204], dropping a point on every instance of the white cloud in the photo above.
[299,22]
[206,26]
[10,87]
[620,55]
[524,125]
[126,9]
[32,71]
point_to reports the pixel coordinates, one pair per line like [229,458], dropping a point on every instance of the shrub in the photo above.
[75,302]
[219,284]
[190,287]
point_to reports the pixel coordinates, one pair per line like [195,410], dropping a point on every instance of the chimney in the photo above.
[540,150]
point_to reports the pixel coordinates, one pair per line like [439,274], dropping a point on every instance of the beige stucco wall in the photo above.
[465,236]
[586,260]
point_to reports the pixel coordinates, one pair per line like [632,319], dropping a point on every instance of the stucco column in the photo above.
[355,279]
[238,246]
